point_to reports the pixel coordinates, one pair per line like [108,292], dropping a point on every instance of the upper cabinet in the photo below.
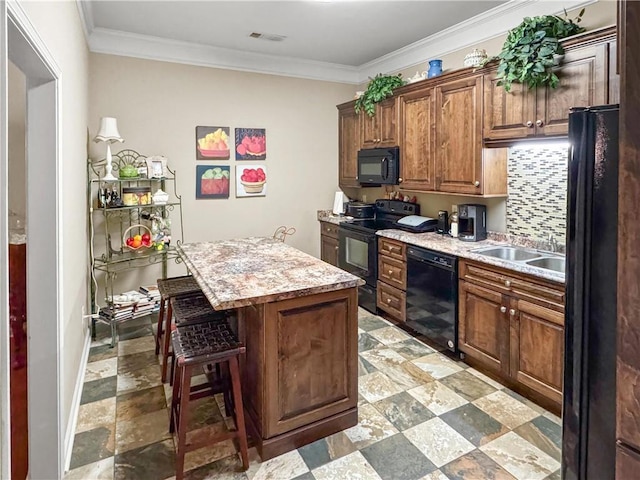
[348,145]
[381,130]
[584,74]
[417,139]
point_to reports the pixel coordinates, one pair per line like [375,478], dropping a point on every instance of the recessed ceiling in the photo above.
[340,40]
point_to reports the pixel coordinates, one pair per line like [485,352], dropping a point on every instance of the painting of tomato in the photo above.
[251,143]
[212,181]
[251,180]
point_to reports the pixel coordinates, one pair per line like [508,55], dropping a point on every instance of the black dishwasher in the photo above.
[432,296]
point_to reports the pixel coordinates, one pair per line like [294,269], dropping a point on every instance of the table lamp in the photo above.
[108,133]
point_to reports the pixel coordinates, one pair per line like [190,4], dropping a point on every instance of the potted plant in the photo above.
[527,55]
[379,88]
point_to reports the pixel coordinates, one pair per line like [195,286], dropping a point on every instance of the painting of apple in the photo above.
[212,181]
[251,181]
[251,144]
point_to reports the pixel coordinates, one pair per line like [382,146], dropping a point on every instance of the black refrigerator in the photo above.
[589,403]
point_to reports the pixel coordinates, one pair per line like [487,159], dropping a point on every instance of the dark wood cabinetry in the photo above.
[392,278]
[585,80]
[348,145]
[381,130]
[329,245]
[417,139]
[513,326]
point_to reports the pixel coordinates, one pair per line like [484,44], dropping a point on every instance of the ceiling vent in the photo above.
[268,36]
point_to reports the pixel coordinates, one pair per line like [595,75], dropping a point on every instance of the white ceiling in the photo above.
[340,40]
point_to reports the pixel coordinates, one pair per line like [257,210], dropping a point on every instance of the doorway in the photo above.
[41,264]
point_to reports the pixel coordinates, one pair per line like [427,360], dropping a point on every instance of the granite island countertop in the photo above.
[248,271]
[453,246]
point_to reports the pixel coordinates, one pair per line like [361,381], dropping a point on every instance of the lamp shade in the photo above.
[108,131]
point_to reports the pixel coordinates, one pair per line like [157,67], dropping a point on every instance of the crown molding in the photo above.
[154,48]
[483,27]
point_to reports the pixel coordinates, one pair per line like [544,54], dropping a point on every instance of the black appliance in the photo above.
[417,224]
[432,296]
[361,210]
[358,245]
[589,400]
[472,222]
[443,222]
[378,166]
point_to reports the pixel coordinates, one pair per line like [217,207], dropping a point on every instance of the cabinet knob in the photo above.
[507,283]
[388,300]
[336,248]
[503,309]
[529,124]
[539,123]
[512,312]
[390,272]
[476,183]
[399,180]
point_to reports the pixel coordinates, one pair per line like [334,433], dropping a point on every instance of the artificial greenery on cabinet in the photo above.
[531,49]
[379,88]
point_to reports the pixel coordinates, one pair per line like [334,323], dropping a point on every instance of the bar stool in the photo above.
[193,308]
[169,288]
[200,345]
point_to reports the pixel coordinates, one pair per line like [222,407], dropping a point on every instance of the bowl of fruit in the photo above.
[214,145]
[253,179]
[137,238]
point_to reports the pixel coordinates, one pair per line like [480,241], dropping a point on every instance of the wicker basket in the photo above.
[125,235]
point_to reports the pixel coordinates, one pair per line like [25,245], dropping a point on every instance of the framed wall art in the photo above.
[212,143]
[212,181]
[251,181]
[251,143]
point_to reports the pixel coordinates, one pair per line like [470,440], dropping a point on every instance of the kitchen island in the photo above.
[298,317]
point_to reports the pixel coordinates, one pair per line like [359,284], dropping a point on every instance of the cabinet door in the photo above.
[458,136]
[329,249]
[537,348]
[583,82]
[483,327]
[508,115]
[349,144]
[417,125]
[387,113]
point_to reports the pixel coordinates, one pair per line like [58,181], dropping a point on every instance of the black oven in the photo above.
[358,254]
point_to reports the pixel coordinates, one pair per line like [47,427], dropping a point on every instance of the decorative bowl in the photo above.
[253,187]
[214,153]
[475,58]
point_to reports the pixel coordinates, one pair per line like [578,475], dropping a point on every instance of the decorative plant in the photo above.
[527,55]
[379,88]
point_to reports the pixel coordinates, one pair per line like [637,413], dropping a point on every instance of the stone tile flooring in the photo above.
[421,416]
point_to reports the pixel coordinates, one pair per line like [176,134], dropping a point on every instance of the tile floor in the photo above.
[421,416]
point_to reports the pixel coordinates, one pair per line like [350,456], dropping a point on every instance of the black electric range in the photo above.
[358,251]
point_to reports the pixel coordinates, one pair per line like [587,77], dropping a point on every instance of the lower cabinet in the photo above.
[392,278]
[513,326]
[329,243]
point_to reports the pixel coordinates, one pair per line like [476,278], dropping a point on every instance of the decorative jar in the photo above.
[435,68]
[475,58]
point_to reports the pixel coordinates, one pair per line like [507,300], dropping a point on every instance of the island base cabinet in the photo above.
[300,369]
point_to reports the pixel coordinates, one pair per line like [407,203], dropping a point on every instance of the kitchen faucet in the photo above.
[553,243]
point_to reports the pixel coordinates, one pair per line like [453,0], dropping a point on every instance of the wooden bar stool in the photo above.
[193,308]
[199,345]
[169,288]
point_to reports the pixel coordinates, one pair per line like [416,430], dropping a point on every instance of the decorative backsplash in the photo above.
[537,202]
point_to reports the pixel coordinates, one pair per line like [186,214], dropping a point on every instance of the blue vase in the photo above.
[435,68]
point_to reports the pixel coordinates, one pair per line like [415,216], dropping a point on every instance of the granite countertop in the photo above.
[446,244]
[328,216]
[249,271]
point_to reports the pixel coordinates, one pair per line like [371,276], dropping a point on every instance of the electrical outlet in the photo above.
[454,208]
[364,198]
[83,311]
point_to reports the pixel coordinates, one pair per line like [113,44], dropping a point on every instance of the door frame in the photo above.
[21,43]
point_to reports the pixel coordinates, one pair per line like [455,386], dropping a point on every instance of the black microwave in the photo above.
[379,166]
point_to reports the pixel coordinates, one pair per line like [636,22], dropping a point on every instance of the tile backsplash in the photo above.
[537,202]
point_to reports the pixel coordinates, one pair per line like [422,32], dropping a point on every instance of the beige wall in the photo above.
[16,145]
[159,104]
[58,24]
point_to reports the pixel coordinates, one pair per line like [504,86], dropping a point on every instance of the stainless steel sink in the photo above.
[513,254]
[556,264]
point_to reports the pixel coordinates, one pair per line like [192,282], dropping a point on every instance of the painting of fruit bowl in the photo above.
[212,142]
[251,181]
[212,181]
[251,143]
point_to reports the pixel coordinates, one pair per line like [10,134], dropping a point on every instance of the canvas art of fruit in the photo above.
[213,182]
[251,180]
[251,144]
[213,142]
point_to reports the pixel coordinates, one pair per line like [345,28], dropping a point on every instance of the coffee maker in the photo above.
[473,222]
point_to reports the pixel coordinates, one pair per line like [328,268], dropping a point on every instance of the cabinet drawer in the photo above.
[392,301]
[329,229]
[514,283]
[392,271]
[391,248]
